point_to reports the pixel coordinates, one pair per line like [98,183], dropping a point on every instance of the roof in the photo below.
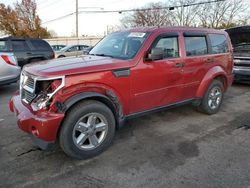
[171,28]
[17,38]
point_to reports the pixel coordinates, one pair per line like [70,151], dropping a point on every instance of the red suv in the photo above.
[81,101]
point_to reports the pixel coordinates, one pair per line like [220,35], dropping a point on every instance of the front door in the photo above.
[157,83]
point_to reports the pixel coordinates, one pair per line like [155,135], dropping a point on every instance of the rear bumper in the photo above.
[241,73]
[42,126]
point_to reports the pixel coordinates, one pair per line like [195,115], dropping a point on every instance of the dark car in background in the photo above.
[57,47]
[240,37]
[27,50]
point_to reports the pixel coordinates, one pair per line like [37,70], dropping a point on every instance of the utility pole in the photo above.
[77,18]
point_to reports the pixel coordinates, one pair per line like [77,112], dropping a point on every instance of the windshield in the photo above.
[121,45]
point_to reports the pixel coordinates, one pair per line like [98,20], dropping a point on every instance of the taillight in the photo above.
[7,60]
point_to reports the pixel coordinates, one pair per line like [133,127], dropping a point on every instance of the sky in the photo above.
[89,24]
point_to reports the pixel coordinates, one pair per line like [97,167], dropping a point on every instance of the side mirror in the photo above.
[155,54]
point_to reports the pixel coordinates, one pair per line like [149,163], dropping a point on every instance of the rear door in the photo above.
[21,50]
[197,62]
[40,49]
[157,83]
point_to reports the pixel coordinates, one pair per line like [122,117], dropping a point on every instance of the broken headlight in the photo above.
[45,90]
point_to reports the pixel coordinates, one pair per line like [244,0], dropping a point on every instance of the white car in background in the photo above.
[9,69]
[73,50]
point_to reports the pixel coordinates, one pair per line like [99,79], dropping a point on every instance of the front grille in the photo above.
[27,96]
[242,61]
[28,88]
[30,82]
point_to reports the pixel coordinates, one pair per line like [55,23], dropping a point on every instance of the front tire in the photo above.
[88,130]
[213,98]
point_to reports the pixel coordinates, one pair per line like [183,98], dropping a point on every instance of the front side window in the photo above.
[169,46]
[196,45]
[219,43]
[121,45]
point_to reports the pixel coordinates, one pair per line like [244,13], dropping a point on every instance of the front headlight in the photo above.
[45,90]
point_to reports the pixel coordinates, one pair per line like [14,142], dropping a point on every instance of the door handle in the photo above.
[29,53]
[210,60]
[179,65]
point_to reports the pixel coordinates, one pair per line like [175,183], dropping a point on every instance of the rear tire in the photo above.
[88,130]
[213,98]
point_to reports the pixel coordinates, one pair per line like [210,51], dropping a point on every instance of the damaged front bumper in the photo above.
[41,125]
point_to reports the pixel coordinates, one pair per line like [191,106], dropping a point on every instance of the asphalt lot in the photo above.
[174,148]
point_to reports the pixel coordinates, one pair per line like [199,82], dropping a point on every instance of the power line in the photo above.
[51,3]
[59,18]
[146,9]
[132,10]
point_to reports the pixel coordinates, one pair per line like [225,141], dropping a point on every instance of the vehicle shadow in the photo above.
[5,90]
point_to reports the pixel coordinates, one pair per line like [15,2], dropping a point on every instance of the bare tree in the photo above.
[184,14]
[223,14]
[155,15]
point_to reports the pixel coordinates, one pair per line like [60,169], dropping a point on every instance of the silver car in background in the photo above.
[73,50]
[9,69]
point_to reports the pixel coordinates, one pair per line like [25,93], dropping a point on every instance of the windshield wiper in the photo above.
[104,55]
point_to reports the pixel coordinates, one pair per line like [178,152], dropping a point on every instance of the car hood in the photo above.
[75,65]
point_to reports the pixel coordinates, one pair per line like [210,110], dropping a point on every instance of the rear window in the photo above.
[40,45]
[196,45]
[19,45]
[3,46]
[219,43]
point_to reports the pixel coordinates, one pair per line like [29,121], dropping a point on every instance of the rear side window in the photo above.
[40,45]
[196,45]
[19,45]
[218,43]
[3,46]
[169,46]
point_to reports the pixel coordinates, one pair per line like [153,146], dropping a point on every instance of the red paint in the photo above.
[150,84]
[43,125]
